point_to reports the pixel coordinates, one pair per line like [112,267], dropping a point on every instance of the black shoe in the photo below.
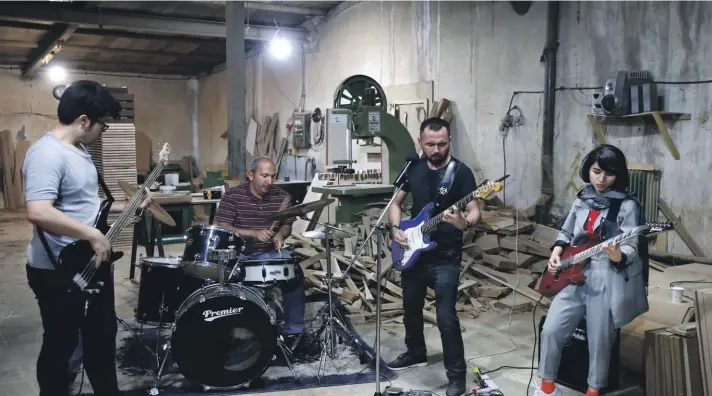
[407,360]
[455,388]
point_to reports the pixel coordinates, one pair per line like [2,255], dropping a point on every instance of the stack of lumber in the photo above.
[13,158]
[114,155]
[703,313]
[491,269]
[672,365]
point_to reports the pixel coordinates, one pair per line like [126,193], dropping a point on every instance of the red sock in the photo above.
[591,392]
[548,386]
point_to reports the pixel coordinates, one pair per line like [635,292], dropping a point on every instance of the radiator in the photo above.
[645,184]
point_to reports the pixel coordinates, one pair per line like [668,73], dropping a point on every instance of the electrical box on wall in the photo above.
[300,130]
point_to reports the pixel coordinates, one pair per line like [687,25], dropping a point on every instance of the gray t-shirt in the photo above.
[57,171]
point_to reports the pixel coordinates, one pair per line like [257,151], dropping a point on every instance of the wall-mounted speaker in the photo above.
[596,107]
[616,96]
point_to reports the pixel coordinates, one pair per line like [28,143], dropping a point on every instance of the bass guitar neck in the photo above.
[78,259]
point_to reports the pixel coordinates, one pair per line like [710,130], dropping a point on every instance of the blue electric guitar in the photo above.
[418,229]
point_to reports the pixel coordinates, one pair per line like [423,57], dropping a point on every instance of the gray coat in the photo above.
[626,288]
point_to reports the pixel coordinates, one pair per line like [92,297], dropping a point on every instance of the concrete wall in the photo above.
[262,74]
[478,53]
[162,107]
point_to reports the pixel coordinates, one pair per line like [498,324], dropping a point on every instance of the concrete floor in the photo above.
[21,332]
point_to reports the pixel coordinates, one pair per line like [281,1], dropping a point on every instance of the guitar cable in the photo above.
[514,299]
[511,312]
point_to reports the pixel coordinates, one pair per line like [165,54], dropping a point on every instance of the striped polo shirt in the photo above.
[244,210]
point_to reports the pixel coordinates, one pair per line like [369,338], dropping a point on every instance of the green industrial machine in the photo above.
[361,103]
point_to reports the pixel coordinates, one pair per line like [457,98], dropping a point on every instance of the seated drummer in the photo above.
[246,209]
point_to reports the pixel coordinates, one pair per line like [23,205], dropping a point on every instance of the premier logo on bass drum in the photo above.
[211,315]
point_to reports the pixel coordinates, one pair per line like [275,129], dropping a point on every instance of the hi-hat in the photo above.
[156,210]
[301,209]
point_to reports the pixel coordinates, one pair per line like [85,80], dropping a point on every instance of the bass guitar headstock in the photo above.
[165,150]
[489,187]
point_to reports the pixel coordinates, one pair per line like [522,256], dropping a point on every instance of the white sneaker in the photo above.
[539,392]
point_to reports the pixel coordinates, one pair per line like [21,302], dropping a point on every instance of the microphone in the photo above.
[409,160]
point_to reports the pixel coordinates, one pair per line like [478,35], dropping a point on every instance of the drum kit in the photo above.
[223,320]
[217,306]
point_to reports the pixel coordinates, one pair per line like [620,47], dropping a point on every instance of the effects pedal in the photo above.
[399,392]
[417,393]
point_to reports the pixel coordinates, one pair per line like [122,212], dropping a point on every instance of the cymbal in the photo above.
[156,210]
[334,232]
[301,209]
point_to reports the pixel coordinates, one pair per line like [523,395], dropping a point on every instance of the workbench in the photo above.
[152,231]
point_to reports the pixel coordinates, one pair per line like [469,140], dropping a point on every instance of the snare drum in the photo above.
[162,289]
[267,272]
[201,239]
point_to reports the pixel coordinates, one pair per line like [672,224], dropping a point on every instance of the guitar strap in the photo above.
[446,182]
[41,234]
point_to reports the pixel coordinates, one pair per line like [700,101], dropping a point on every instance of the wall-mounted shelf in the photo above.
[657,116]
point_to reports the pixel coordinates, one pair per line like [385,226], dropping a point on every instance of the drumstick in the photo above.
[282,207]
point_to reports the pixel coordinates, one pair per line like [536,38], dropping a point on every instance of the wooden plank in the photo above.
[8,164]
[703,314]
[600,135]
[524,245]
[680,229]
[499,262]
[677,259]
[523,289]
[666,135]
[642,167]
[488,243]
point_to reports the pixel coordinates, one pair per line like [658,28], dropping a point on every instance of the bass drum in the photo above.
[224,337]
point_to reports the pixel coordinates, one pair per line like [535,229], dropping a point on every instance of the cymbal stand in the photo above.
[332,321]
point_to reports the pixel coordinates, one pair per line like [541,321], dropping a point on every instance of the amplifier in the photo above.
[573,369]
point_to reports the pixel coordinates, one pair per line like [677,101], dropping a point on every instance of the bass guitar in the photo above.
[573,259]
[417,231]
[78,259]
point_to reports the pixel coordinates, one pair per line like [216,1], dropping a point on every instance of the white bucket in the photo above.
[676,294]
[171,179]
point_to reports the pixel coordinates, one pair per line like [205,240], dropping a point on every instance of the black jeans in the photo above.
[444,276]
[64,313]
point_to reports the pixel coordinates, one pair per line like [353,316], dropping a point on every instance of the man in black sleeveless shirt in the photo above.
[438,268]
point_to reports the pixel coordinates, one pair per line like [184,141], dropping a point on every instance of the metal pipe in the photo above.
[547,140]
[194,91]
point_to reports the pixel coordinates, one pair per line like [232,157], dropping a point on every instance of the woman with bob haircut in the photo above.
[614,292]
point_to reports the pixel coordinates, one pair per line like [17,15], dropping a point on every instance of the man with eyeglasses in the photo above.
[438,177]
[62,200]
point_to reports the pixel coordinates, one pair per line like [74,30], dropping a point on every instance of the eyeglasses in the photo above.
[104,126]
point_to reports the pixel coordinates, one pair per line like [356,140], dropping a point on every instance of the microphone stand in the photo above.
[381,230]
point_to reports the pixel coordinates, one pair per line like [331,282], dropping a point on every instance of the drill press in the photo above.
[360,107]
